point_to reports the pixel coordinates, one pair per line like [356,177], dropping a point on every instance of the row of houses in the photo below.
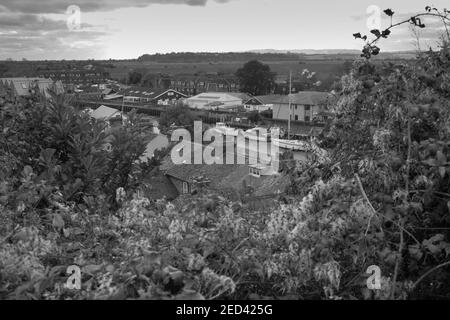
[13,89]
[85,75]
[193,84]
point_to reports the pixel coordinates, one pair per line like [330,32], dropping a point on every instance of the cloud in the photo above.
[60,6]
[34,36]
[34,29]
[22,21]
[34,44]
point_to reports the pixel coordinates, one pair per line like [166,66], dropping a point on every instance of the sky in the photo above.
[126,29]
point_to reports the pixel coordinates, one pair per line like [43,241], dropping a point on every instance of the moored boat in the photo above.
[294,145]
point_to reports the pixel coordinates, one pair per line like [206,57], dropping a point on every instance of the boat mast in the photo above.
[290,111]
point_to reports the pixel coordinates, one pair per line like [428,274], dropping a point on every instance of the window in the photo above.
[295,107]
[307,108]
[255,172]
[307,119]
[296,117]
[185,188]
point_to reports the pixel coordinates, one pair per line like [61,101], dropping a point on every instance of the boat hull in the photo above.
[294,145]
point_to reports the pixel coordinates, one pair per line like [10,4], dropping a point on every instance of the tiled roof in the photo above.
[215,172]
[305,98]
[231,177]
[159,186]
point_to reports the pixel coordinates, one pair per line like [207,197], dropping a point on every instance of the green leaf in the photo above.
[442,171]
[430,162]
[441,158]
[389,12]
[92,268]
[58,221]
[376,32]
[415,251]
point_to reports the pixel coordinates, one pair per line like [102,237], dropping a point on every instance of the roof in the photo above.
[262,186]
[108,91]
[216,96]
[241,95]
[147,92]
[215,172]
[104,113]
[268,99]
[214,104]
[159,186]
[312,98]
[112,96]
[230,177]
[23,86]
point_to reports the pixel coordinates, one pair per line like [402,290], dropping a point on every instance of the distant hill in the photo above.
[267,55]
[309,51]
[197,57]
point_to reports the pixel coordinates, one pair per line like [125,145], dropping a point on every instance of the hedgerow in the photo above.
[380,198]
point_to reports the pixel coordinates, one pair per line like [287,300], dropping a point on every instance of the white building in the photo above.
[214,100]
[305,105]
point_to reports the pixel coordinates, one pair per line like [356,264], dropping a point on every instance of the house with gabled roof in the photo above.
[14,88]
[261,103]
[237,182]
[305,105]
[233,181]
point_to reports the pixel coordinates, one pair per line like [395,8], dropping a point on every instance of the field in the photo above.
[323,68]
[325,65]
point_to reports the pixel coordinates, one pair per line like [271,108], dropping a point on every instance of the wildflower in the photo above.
[120,195]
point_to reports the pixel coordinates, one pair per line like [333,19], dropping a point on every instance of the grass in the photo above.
[323,68]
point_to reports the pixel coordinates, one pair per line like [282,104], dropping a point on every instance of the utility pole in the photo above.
[121,110]
[290,111]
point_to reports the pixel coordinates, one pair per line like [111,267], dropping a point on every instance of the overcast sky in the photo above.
[129,28]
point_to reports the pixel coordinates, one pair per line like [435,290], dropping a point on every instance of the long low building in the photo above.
[216,100]
[146,95]
[305,105]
